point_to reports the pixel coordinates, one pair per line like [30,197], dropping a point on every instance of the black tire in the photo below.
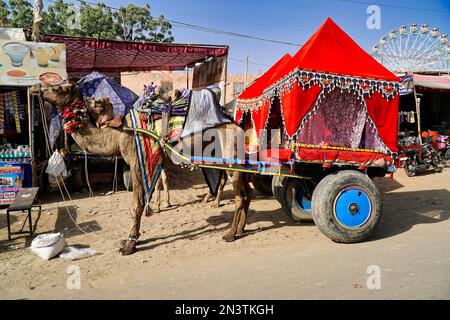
[127,179]
[447,158]
[277,187]
[262,184]
[410,169]
[357,193]
[296,196]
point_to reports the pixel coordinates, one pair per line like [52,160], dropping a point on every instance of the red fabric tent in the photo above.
[251,97]
[330,50]
[331,62]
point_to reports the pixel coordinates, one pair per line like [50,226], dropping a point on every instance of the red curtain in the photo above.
[238,115]
[260,117]
[385,116]
[296,103]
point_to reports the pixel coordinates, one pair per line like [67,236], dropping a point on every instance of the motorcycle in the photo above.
[419,157]
[441,144]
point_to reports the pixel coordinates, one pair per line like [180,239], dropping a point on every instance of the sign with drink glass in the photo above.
[27,63]
[11,177]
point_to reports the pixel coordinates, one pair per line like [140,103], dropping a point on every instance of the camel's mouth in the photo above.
[35,90]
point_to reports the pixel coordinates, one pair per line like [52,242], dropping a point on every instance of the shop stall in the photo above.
[22,64]
[424,105]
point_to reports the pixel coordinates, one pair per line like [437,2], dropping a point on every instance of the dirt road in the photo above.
[182,255]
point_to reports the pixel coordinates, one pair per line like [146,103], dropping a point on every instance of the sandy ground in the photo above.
[182,255]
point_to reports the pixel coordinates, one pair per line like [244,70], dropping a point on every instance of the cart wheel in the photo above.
[127,179]
[277,186]
[346,206]
[295,195]
[262,184]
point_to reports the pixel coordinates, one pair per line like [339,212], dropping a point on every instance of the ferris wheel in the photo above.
[417,48]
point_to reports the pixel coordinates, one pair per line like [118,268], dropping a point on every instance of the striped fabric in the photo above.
[150,151]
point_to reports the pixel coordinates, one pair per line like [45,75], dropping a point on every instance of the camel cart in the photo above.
[319,127]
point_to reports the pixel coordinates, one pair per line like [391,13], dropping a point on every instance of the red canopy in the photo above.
[332,71]
[330,50]
[256,89]
[88,54]
[251,97]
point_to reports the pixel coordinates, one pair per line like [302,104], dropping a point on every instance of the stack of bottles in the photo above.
[20,154]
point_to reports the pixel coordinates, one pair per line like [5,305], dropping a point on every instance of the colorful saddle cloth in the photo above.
[149,150]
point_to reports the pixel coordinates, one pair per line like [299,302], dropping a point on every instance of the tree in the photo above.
[137,23]
[128,23]
[97,21]
[60,18]
[21,14]
[4,13]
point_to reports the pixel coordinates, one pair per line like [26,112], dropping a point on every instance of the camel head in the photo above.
[58,95]
[102,111]
[98,106]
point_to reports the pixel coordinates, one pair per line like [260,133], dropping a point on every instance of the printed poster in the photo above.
[24,63]
[11,177]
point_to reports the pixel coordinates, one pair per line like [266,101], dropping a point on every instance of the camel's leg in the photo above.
[239,195]
[137,207]
[165,184]
[157,200]
[207,197]
[247,200]
[223,182]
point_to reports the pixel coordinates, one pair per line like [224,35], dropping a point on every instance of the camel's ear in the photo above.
[106,100]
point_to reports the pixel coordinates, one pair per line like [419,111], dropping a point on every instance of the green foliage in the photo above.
[137,23]
[21,14]
[97,21]
[58,18]
[130,22]
[4,12]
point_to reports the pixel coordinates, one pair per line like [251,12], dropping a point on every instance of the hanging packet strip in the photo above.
[12,108]
[16,111]
[2,114]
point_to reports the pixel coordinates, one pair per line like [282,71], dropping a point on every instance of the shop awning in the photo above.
[440,83]
[88,54]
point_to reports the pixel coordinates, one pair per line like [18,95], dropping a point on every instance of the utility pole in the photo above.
[246,71]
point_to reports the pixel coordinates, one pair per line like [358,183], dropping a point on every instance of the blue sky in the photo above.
[291,21]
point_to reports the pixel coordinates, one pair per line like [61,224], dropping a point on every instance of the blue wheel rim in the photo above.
[352,207]
[302,199]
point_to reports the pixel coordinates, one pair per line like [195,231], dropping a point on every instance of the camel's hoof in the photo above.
[240,233]
[229,238]
[166,204]
[127,247]
[156,210]
[215,205]
[205,201]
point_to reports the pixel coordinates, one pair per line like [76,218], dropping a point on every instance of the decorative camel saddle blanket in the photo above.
[203,112]
[149,150]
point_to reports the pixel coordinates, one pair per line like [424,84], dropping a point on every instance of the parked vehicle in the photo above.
[419,157]
[441,144]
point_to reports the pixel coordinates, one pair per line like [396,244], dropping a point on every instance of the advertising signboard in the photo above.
[25,63]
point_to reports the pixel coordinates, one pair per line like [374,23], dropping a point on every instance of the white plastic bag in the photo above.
[74,253]
[45,240]
[56,165]
[48,246]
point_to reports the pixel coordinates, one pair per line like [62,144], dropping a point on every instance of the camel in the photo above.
[102,113]
[120,142]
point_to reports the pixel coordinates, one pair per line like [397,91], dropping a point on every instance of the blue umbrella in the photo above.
[98,85]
